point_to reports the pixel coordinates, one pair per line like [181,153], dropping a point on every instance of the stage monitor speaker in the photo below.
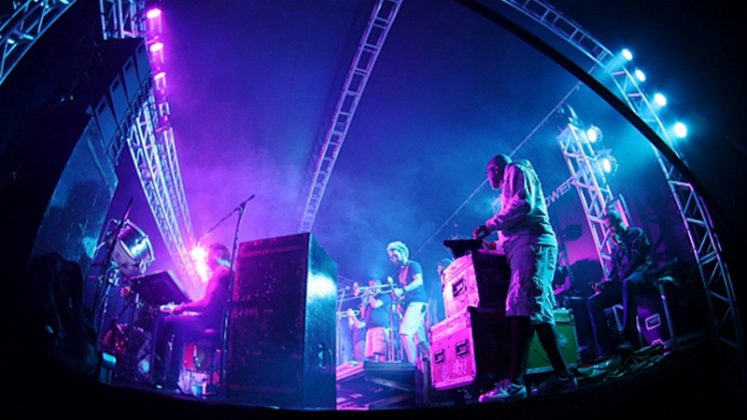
[281,337]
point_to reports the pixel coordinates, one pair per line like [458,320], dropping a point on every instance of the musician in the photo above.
[630,261]
[375,314]
[356,329]
[530,244]
[186,321]
[410,288]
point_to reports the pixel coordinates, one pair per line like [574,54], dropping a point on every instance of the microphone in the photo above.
[243,203]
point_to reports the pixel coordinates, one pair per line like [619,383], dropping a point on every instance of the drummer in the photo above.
[187,321]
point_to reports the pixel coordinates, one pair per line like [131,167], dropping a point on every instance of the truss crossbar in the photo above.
[20,31]
[369,47]
[122,18]
[147,150]
[593,190]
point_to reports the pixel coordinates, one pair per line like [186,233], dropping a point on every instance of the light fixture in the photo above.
[199,256]
[680,130]
[627,54]
[594,134]
[660,99]
[606,162]
[640,75]
[154,13]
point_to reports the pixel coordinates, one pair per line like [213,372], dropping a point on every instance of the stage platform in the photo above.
[370,385]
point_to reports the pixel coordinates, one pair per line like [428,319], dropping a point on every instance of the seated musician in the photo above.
[187,320]
[630,263]
[375,307]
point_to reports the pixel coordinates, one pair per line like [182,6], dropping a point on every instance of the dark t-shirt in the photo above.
[406,273]
[632,253]
[379,317]
[213,314]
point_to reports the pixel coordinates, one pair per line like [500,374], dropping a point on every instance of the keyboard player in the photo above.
[186,321]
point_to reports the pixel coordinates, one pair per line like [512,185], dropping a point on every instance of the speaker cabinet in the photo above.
[478,279]
[565,331]
[281,340]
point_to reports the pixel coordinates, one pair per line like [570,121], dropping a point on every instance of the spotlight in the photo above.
[159,80]
[156,55]
[640,75]
[156,47]
[199,253]
[199,256]
[607,163]
[660,99]
[680,130]
[627,54]
[153,13]
[153,23]
[594,134]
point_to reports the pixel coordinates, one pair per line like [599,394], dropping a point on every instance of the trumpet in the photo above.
[368,291]
[344,314]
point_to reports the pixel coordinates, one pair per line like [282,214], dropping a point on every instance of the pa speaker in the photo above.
[281,328]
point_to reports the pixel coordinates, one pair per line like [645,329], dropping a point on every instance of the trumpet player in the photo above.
[374,312]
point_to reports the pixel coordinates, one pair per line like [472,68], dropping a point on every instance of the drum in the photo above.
[133,251]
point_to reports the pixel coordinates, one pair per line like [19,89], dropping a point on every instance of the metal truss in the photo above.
[151,141]
[20,31]
[122,18]
[704,242]
[381,20]
[592,187]
[151,148]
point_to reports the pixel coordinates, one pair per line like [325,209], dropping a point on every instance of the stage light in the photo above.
[199,256]
[640,75]
[660,99]
[156,47]
[680,130]
[159,80]
[594,134]
[156,56]
[154,13]
[627,54]
[607,163]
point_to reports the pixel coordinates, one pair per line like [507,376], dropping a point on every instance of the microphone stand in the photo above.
[241,208]
[101,297]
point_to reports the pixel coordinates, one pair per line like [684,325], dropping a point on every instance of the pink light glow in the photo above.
[199,256]
[156,47]
[153,13]
[160,80]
